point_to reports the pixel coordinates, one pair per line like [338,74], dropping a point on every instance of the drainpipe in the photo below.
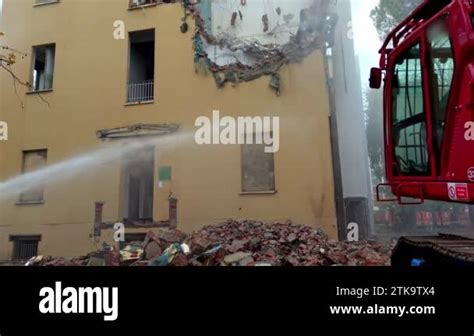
[173,212]
[99,207]
[335,150]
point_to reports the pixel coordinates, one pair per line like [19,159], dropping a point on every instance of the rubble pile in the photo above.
[251,243]
[234,243]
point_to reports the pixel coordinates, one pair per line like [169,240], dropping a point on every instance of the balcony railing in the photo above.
[141,92]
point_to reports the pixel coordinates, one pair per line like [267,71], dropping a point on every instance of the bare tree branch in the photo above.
[16,80]
[15,76]
[6,61]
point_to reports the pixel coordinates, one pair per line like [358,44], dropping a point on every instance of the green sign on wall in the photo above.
[164,174]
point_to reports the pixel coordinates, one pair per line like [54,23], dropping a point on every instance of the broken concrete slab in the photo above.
[152,250]
[237,257]
[249,261]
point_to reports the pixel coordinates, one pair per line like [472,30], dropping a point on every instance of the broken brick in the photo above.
[236,242]
[291,238]
[237,245]
[179,260]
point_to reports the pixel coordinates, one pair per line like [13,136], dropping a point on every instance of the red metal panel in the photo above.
[456,168]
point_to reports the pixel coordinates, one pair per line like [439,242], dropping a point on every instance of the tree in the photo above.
[389,13]
[8,57]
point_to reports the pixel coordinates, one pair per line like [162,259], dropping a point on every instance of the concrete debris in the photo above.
[267,59]
[152,246]
[234,243]
[237,257]
[34,260]
[133,252]
[153,250]
[167,257]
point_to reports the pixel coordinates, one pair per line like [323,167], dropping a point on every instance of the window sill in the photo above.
[39,91]
[45,3]
[22,203]
[271,192]
[25,237]
[140,103]
[142,6]
[138,224]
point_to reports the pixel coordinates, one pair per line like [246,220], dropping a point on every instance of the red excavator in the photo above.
[427,69]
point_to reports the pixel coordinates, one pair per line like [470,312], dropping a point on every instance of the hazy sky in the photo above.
[367,43]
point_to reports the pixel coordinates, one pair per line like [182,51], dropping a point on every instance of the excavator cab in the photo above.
[427,71]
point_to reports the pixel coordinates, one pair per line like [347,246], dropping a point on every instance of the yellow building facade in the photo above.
[88,93]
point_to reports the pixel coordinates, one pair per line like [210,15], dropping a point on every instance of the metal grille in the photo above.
[24,248]
[140,92]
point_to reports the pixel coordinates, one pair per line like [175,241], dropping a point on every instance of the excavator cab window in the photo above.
[427,63]
[441,72]
[408,119]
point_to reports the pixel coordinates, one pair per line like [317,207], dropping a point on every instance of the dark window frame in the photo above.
[397,126]
[143,91]
[130,210]
[17,240]
[33,62]
[21,196]
[243,190]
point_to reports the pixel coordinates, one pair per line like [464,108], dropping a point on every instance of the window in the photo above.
[441,72]
[137,183]
[409,134]
[258,171]
[43,67]
[33,160]
[24,247]
[141,67]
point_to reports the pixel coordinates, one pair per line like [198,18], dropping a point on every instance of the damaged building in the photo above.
[87,122]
